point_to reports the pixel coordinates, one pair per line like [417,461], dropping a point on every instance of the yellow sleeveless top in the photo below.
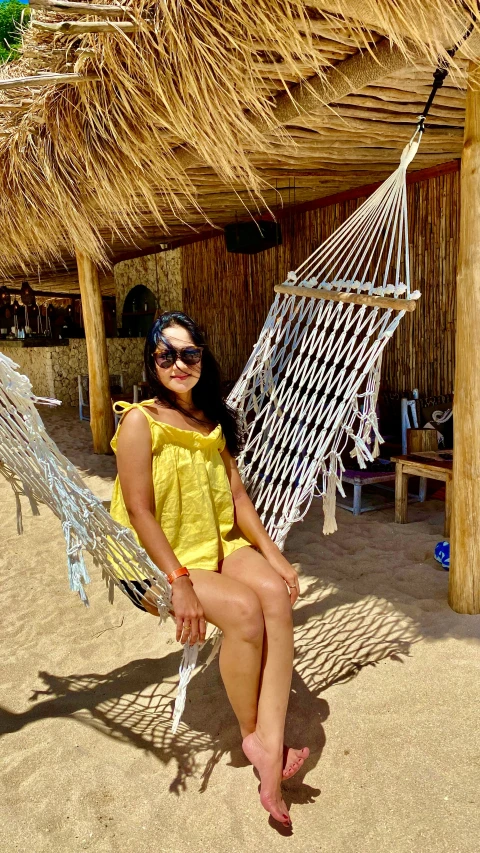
[193,499]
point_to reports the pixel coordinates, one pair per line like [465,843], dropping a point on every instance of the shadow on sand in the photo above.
[133,703]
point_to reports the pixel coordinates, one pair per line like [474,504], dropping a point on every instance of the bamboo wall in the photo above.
[422,352]
[229,294]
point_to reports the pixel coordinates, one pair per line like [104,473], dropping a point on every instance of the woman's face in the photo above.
[175,374]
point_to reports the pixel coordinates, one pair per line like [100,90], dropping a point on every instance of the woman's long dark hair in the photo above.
[207,393]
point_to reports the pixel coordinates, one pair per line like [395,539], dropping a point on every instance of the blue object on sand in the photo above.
[442,554]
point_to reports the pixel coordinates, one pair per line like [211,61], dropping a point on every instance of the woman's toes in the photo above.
[293,761]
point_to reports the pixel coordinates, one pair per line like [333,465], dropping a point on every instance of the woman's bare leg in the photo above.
[236,610]
[264,745]
[240,678]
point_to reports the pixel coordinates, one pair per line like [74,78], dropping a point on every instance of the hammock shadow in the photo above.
[335,638]
[133,703]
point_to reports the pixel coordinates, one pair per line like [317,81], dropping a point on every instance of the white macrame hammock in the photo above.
[309,388]
[311,384]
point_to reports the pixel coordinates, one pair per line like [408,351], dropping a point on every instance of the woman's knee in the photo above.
[248,622]
[274,597]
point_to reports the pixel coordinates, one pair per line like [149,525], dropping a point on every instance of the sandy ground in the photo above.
[87,758]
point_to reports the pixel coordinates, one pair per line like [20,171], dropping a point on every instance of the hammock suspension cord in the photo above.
[441,72]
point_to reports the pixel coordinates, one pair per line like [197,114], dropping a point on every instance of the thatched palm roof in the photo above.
[193,112]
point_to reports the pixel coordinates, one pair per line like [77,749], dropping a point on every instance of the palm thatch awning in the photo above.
[145,122]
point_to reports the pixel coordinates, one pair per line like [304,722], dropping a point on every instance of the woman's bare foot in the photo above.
[269,767]
[293,759]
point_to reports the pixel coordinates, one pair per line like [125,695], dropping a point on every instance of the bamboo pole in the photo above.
[79,28]
[464,579]
[37,80]
[340,296]
[80,8]
[101,414]
[11,107]
[314,95]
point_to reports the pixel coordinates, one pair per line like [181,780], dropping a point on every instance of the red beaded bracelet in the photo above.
[178,573]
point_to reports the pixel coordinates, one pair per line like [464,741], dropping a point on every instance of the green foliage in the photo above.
[10,16]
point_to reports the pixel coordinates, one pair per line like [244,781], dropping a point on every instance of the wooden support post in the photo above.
[101,414]
[464,576]
[448,507]
[401,494]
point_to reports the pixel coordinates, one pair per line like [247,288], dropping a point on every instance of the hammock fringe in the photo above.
[329,505]
[187,666]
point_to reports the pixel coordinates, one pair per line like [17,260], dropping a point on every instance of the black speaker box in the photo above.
[248,238]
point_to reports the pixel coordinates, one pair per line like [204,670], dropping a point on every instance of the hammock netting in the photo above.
[311,384]
[308,390]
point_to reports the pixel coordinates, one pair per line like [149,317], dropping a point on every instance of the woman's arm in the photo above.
[252,528]
[134,464]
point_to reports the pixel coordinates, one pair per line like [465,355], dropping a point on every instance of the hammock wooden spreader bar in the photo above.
[355,298]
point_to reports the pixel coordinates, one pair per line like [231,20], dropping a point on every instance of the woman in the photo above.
[179,489]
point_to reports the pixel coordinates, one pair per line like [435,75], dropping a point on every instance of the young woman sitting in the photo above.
[179,490]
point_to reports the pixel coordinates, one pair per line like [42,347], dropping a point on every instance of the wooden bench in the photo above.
[365,478]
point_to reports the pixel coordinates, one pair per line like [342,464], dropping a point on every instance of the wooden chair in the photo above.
[409,416]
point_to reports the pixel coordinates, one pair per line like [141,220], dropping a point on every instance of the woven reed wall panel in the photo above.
[422,353]
[229,294]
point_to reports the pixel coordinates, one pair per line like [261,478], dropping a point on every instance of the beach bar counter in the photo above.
[44,333]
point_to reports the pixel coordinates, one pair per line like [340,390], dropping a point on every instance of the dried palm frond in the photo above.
[197,75]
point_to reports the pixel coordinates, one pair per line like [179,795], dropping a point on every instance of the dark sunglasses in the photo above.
[187,355]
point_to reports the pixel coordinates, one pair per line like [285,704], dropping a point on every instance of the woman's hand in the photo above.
[286,571]
[191,624]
